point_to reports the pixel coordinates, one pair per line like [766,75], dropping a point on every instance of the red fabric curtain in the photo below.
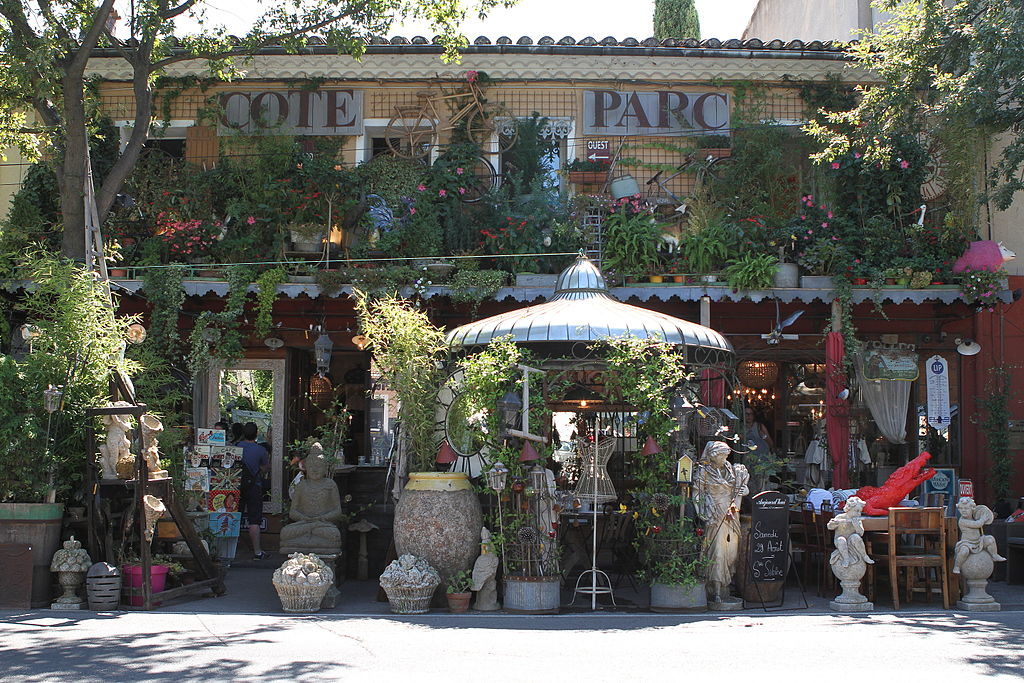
[837,417]
[712,388]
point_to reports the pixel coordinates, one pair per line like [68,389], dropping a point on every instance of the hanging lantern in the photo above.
[322,348]
[758,374]
[509,407]
[320,390]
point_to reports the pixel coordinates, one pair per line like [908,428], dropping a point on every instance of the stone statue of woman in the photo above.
[719,488]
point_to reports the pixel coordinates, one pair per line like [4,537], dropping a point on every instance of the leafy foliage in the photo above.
[408,349]
[676,19]
[79,343]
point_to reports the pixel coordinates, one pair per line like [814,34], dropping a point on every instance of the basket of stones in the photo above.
[301,582]
[410,583]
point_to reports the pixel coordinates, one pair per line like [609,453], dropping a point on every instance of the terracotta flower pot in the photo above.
[458,602]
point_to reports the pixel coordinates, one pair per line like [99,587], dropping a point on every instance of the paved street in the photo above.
[179,643]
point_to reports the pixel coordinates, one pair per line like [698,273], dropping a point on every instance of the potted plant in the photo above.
[676,567]
[43,425]
[306,237]
[459,591]
[752,272]
[821,259]
[708,250]
[587,171]
[631,240]
[438,516]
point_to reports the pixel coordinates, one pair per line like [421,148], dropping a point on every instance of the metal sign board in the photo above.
[890,364]
[944,482]
[937,371]
[599,150]
[654,112]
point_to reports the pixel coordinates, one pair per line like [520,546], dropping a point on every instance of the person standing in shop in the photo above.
[255,465]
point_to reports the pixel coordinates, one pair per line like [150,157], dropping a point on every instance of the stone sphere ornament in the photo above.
[70,563]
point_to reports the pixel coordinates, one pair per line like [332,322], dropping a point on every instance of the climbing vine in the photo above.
[995,422]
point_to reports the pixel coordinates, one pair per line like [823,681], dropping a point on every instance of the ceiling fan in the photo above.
[777,335]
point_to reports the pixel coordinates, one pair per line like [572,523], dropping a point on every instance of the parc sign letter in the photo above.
[298,112]
[656,112]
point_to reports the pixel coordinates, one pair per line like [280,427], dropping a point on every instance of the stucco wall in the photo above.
[806,20]
[12,172]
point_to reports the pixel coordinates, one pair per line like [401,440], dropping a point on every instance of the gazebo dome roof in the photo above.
[582,310]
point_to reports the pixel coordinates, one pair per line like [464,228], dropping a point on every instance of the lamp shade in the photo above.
[758,374]
[651,447]
[446,455]
[529,453]
[582,396]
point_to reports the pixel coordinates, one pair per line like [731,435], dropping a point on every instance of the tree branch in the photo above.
[47,11]
[265,42]
[91,37]
[172,12]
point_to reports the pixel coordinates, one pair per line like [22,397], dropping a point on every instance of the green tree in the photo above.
[940,64]
[45,48]
[675,19]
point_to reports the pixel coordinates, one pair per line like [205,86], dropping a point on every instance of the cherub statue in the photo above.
[116,444]
[484,570]
[972,518]
[849,540]
[850,559]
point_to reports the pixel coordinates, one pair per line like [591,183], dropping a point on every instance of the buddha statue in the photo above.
[315,511]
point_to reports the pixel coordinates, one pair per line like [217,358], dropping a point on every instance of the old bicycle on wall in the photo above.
[413,129]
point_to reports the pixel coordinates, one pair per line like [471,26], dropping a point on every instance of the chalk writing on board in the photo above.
[769,537]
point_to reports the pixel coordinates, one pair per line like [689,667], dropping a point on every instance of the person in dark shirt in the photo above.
[256,463]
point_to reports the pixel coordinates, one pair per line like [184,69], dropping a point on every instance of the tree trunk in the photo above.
[72,175]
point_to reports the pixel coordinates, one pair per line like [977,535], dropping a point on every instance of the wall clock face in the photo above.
[456,422]
[934,184]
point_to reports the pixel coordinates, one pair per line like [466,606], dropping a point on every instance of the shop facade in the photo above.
[622,104]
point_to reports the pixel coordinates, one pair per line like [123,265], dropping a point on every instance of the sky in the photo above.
[620,19]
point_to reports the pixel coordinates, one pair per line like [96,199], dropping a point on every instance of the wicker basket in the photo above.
[301,598]
[410,600]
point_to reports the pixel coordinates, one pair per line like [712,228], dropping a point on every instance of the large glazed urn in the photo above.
[438,518]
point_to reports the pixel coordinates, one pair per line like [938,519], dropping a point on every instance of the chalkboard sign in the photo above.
[769,537]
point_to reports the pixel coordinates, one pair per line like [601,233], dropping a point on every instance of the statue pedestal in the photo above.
[975,570]
[729,604]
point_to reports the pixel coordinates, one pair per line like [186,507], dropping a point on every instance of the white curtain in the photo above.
[887,400]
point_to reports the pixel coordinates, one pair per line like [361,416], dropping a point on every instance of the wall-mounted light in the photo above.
[967,347]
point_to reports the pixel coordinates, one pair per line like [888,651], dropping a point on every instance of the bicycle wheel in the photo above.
[410,132]
[481,179]
[480,131]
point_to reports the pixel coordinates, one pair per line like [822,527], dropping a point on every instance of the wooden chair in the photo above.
[916,539]
[809,540]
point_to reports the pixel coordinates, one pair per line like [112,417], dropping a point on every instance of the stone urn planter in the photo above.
[668,597]
[302,582]
[438,518]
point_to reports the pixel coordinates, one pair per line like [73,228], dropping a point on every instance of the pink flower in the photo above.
[458,171]
[462,190]
[803,218]
[471,76]
[829,215]
[250,220]
[904,164]
[835,238]
[810,232]
[824,225]
[835,165]
[442,193]
[421,187]
[856,155]
[412,210]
